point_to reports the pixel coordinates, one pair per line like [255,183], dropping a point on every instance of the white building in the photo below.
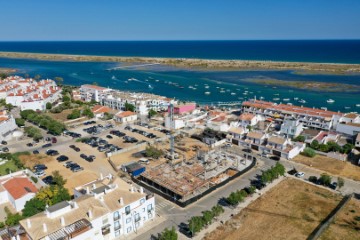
[100,110]
[357,141]
[16,188]
[125,117]
[349,124]
[248,119]
[28,93]
[90,93]
[103,209]
[7,125]
[291,127]
[177,123]
[235,134]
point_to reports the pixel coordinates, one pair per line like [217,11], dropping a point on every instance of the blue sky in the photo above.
[179,20]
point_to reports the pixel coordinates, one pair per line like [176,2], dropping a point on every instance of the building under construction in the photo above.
[186,180]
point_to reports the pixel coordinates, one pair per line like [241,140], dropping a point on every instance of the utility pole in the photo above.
[172,131]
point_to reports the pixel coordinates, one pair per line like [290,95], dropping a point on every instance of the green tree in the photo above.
[20,122]
[333,146]
[32,207]
[153,152]
[11,218]
[152,113]
[325,179]
[324,148]
[340,182]
[58,179]
[66,98]
[196,224]
[108,116]
[249,127]
[37,77]
[129,107]
[168,234]
[347,148]
[314,145]
[207,216]
[9,106]
[217,210]
[308,152]
[74,114]
[299,138]
[88,113]
[48,105]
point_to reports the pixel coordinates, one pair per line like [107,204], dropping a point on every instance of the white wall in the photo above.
[6,127]
[20,203]
[348,129]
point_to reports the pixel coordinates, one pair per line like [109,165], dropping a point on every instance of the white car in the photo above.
[300,174]
[39,173]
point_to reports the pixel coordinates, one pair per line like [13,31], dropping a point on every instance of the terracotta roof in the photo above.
[94,87]
[277,140]
[237,130]
[100,109]
[125,114]
[351,115]
[246,116]
[257,135]
[353,124]
[19,186]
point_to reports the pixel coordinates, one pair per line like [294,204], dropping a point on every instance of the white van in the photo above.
[144,161]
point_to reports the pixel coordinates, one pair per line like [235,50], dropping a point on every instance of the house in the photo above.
[349,124]
[357,141]
[7,125]
[183,108]
[124,117]
[100,110]
[90,93]
[248,119]
[106,208]
[291,127]
[16,188]
[235,134]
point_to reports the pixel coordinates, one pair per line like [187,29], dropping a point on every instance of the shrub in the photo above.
[313,179]
[299,138]
[308,152]
[314,144]
[20,122]
[34,179]
[325,179]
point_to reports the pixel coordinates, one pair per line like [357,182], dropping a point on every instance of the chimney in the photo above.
[94,186]
[28,223]
[121,201]
[62,221]
[141,190]
[75,205]
[132,189]
[101,176]
[44,227]
[90,214]
[87,190]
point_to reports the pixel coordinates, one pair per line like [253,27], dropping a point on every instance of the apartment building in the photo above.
[349,124]
[90,92]
[28,93]
[309,117]
[106,208]
[7,125]
[291,127]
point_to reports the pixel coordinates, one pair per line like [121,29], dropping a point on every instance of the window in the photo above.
[117,233]
[127,210]
[128,229]
[149,207]
[116,216]
[142,201]
[105,221]
[137,217]
[116,225]
[128,220]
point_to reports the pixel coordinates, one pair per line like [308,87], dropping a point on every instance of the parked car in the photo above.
[76,168]
[46,145]
[333,185]
[4,142]
[51,152]
[40,167]
[62,158]
[48,180]
[72,146]
[300,174]
[5,149]
[54,140]
[77,149]
[39,173]
[29,144]
[36,152]
[109,136]
[68,163]
[292,171]
[83,156]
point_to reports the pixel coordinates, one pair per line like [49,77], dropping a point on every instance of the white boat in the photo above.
[296,98]
[289,103]
[194,88]
[113,77]
[244,93]
[206,86]
[222,91]
[286,99]
[157,80]
[302,101]
[190,86]
[233,93]
[262,98]
[324,108]
[358,105]
[347,107]
[276,99]
[151,87]
[330,101]
[207,93]
[276,94]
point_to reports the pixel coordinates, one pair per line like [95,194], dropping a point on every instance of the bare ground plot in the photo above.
[346,225]
[291,210]
[332,166]
[62,117]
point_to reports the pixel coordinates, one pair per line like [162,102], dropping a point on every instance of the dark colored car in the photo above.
[48,180]
[29,144]
[52,152]
[46,145]
[333,185]
[72,146]
[5,149]
[83,156]
[109,136]
[4,142]
[184,229]
[76,168]
[62,158]
[54,140]
[36,152]
[38,167]
[77,149]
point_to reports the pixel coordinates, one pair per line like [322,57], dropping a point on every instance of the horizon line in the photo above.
[186,40]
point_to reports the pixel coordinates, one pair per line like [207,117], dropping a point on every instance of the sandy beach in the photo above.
[325,68]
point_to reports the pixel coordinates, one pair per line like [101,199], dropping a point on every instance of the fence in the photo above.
[197,197]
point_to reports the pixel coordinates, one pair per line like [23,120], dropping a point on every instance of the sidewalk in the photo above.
[147,226]
[232,211]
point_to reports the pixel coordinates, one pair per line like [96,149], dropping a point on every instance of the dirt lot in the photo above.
[62,117]
[291,210]
[346,225]
[332,166]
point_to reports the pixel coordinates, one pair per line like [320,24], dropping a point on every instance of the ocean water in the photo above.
[327,51]
[223,86]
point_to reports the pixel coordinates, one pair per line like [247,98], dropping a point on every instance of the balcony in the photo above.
[71,231]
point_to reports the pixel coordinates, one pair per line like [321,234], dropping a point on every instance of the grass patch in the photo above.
[9,165]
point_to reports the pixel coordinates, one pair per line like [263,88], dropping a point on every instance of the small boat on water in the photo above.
[357,105]
[207,93]
[330,101]
[194,88]
[286,99]
[126,82]
[113,77]
[233,93]
[324,108]
[151,87]
[206,86]
[191,87]
[296,98]
[244,93]
[347,107]
[276,94]
[276,99]
[222,91]
[157,80]
[302,101]
[262,98]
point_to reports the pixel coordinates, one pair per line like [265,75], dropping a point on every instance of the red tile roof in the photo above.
[125,114]
[100,109]
[246,116]
[19,187]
